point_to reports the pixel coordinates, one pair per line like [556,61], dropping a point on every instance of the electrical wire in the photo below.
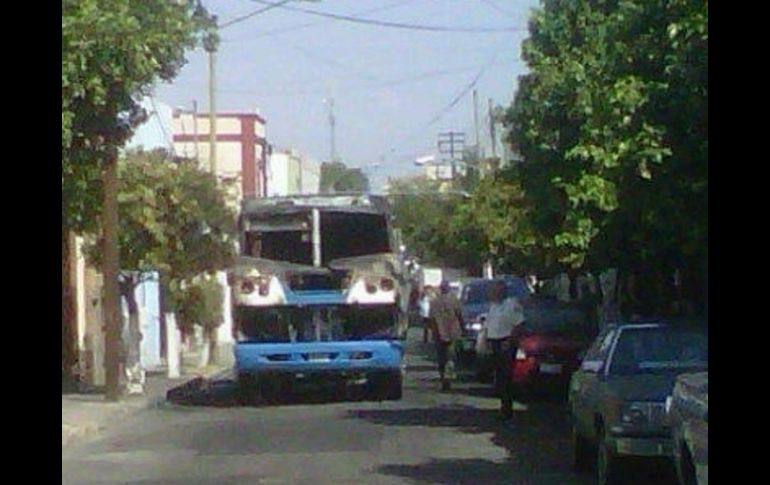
[168,139]
[314,24]
[494,6]
[396,25]
[446,109]
[269,6]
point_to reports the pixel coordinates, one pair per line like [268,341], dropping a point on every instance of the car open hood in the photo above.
[381,263]
[244,264]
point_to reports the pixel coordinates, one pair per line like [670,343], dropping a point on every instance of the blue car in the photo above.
[475,304]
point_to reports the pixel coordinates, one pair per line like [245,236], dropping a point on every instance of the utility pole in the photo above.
[492,133]
[210,44]
[476,123]
[195,129]
[332,147]
[451,143]
[110,268]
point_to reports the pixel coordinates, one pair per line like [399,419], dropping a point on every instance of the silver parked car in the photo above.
[688,418]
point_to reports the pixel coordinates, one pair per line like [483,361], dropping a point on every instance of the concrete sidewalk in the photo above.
[84,414]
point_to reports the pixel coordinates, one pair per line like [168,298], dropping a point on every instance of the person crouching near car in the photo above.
[505,315]
[447,318]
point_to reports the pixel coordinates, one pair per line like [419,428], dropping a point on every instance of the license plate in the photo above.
[318,357]
[550,368]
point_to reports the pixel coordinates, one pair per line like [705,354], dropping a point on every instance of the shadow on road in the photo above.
[538,446]
[224,393]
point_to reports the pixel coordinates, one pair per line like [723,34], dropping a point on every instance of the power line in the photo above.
[457,98]
[465,91]
[168,139]
[326,60]
[252,14]
[415,78]
[313,24]
[396,25]
[494,6]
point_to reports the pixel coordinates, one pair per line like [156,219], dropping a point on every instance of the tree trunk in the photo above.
[133,346]
[573,284]
[213,346]
[110,269]
[67,309]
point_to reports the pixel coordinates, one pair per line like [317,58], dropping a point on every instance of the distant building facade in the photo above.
[292,173]
[241,148]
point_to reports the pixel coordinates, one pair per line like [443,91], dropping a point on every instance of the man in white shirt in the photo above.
[427,296]
[505,315]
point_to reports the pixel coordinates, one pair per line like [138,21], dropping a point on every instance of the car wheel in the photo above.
[606,462]
[248,392]
[581,457]
[386,386]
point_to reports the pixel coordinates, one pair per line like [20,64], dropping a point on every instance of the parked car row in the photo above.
[553,336]
[617,400]
[634,390]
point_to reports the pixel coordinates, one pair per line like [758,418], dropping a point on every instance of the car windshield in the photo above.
[479,292]
[515,286]
[658,349]
[476,293]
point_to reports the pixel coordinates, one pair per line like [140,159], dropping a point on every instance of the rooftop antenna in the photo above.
[332,148]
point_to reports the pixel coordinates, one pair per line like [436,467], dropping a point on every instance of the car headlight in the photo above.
[642,413]
[473,326]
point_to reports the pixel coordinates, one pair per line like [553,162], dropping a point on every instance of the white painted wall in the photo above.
[284,165]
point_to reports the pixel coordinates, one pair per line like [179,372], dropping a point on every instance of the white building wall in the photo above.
[311,176]
[278,174]
[286,164]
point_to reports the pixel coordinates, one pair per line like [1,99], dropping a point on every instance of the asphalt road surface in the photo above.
[317,438]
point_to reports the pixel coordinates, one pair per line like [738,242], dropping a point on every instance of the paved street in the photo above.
[428,437]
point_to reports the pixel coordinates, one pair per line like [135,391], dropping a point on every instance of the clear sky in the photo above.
[391,87]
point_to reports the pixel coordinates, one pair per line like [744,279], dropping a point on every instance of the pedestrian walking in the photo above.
[503,318]
[446,315]
[427,296]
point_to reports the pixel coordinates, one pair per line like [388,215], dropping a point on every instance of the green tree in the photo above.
[200,303]
[113,52]
[423,210]
[612,123]
[336,177]
[175,220]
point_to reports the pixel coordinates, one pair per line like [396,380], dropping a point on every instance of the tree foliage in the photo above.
[200,303]
[113,51]
[423,210]
[336,177]
[612,122]
[175,219]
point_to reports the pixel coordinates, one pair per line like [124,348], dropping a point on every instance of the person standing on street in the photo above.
[505,315]
[427,296]
[446,315]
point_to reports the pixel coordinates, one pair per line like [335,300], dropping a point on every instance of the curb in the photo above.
[186,385]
